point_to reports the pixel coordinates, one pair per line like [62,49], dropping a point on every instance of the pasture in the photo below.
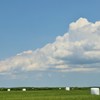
[53,94]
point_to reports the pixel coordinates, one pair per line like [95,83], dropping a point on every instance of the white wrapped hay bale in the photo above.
[8,89]
[67,88]
[95,91]
[24,89]
[59,88]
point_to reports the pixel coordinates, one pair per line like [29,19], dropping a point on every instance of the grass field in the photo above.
[48,95]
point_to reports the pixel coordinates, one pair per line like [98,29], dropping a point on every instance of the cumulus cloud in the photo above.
[76,50]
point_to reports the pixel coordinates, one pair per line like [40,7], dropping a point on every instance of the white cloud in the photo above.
[77,50]
[79,24]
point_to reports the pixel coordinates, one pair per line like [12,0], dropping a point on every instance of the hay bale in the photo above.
[67,88]
[8,89]
[95,91]
[24,89]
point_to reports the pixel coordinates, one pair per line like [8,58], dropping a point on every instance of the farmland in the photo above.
[48,94]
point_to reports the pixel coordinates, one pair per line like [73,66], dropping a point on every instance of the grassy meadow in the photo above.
[54,94]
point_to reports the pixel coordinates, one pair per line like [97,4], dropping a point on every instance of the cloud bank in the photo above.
[76,50]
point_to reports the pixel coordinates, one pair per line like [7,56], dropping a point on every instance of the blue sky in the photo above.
[27,25]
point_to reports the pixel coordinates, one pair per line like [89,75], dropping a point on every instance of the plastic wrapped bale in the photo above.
[67,88]
[8,89]
[24,89]
[95,91]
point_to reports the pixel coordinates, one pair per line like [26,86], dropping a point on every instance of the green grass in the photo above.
[48,95]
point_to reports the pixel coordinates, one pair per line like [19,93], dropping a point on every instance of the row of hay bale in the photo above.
[22,89]
[94,91]
[67,89]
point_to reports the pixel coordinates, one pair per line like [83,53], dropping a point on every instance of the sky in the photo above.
[49,43]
